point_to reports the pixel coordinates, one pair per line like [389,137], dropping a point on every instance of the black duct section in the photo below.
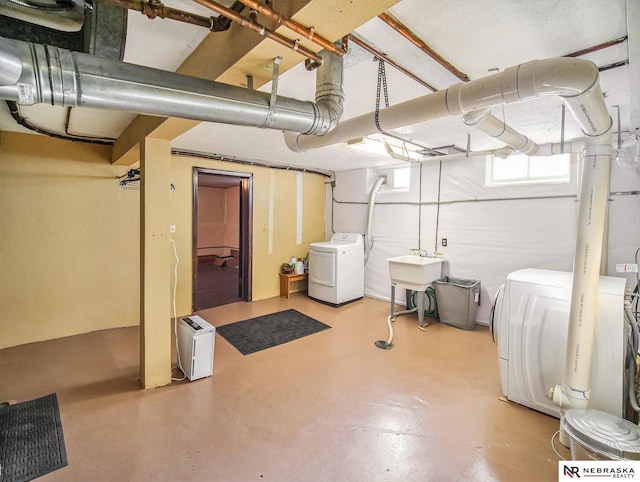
[30,32]
[103,34]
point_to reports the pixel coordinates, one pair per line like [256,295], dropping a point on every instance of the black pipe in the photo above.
[222,23]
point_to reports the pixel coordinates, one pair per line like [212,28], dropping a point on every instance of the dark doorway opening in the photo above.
[222,206]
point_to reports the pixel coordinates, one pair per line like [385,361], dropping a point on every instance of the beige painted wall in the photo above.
[69,249]
[69,236]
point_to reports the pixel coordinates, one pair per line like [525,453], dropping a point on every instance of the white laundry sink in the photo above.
[414,272]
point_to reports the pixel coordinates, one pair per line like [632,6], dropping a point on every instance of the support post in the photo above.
[155,270]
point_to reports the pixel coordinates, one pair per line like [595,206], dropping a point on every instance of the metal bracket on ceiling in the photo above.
[274,93]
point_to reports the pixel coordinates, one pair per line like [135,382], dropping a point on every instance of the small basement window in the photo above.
[401,178]
[522,169]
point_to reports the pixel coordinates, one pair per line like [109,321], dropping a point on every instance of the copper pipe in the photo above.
[261,29]
[415,40]
[292,25]
[157,9]
[382,56]
[595,48]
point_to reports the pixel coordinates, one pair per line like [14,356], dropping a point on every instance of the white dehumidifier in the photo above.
[196,341]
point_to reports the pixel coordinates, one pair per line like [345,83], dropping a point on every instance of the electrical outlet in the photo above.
[172,228]
[444,241]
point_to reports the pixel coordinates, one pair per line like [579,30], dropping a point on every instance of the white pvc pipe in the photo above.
[491,125]
[554,148]
[575,80]
[586,268]
[368,242]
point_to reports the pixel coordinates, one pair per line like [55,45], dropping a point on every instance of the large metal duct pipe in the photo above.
[10,62]
[33,73]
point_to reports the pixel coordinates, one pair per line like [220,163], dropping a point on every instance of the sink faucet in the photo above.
[420,252]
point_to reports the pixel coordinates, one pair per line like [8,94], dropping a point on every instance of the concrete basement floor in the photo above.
[327,407]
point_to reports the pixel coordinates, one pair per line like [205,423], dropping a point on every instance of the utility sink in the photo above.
[414,272]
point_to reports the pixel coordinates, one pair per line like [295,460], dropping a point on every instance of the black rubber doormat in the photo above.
[31,439]
[255,334]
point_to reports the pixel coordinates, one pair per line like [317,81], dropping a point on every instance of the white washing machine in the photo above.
[336,269]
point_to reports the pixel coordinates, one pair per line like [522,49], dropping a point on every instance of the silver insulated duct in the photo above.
[32,73]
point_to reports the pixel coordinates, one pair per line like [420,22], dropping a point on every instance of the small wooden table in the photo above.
[286,280]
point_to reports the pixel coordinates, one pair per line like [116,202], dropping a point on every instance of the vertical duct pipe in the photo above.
[368,240]
[575,389]
[330,92]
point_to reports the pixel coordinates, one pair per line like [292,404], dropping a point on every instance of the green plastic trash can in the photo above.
[457,301]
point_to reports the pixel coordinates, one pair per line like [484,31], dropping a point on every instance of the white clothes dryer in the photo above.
[531,325]
[336,269]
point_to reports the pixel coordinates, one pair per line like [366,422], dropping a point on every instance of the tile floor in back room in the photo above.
[327,407]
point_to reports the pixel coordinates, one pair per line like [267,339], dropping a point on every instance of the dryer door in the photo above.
[322,268]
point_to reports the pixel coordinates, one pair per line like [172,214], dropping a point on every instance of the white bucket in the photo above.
[597,435]
[299,267]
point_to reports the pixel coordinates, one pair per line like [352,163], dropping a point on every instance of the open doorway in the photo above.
[222,207]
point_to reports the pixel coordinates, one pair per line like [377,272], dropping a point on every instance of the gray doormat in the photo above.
[255,334]
[31,439]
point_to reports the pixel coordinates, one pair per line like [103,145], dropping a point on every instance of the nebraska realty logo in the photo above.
[598,470]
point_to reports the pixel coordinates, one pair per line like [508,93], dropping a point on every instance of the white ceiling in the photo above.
[475,36]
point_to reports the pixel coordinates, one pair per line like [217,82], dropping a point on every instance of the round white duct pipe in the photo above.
[575,80]
[594,191]
[491,125]
[553,148]
[368,240]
